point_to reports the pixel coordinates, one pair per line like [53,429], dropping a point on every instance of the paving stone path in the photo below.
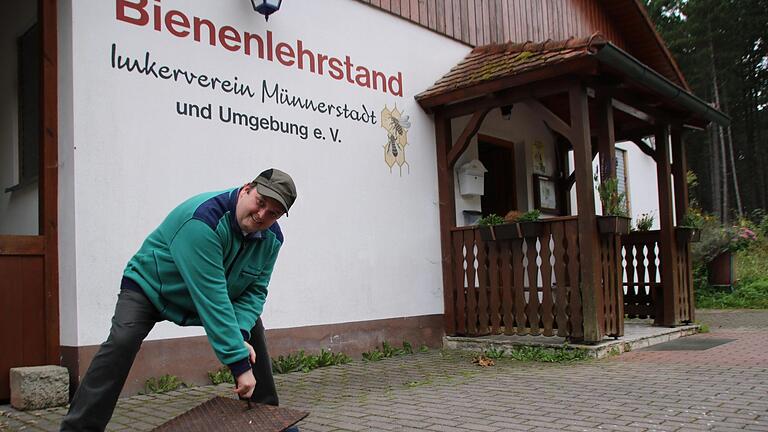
[723,388]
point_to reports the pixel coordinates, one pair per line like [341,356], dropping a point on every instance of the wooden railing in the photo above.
[528,286]
[642,273]
[642,284]
[612,275]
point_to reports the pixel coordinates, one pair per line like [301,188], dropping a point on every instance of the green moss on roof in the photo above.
[523,56]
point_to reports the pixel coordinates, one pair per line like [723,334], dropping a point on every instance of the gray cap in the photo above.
[277,184]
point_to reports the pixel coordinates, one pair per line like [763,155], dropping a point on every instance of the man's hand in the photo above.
[244,384]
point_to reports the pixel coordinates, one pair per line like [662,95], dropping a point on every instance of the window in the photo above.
[622,177]
[29,78]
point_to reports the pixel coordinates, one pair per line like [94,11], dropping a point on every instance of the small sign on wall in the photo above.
[545,197]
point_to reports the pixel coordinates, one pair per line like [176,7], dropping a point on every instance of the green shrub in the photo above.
[752,295]
[163,384]
[692,219]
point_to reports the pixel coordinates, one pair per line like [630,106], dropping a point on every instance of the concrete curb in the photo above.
[636,336]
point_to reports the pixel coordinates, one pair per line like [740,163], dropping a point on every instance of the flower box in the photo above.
[511,231]
[613,224]
[688,234]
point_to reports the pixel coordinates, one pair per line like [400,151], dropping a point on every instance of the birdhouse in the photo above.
[472,178]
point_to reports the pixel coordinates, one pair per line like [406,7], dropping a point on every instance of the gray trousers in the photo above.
[96,397]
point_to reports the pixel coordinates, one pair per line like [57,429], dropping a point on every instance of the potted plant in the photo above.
[644,222]
[521,226]
[494,227]
[614,219]
[689,228]
[488,225]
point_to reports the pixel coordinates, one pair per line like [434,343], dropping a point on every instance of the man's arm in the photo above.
[249,306]
[198,255]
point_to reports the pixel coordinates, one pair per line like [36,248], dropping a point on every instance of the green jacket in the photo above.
[198,268]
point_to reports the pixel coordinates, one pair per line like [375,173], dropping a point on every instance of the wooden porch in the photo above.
[491,293]
[570,280]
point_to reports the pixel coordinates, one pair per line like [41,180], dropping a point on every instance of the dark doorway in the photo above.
[498,156]
[29,296]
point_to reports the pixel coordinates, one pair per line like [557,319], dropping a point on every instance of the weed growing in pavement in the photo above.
[412,384]
[163,384]
[423,348]
[387,351]
[703,328]
[221,376]
[302,362]
[494,353]
[549,355]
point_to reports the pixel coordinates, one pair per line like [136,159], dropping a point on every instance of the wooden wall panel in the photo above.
[481,22]
[22,315]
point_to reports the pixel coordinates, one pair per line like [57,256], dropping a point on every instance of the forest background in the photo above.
[722,48]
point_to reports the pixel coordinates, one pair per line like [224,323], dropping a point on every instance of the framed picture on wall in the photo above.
[545,194]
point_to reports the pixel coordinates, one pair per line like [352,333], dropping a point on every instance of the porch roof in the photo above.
[496,67]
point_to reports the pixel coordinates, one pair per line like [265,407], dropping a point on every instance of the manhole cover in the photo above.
[688,344]
[225,414]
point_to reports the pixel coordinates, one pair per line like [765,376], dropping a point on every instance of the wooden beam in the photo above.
[551,119]
[606,141]
[634,112]
[470,130]
[507,96]
[645,149]
[589,246]
[49,174]
[667,311]
[447,211]
[571,180]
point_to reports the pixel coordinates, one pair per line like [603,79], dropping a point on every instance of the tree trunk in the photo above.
[719,138]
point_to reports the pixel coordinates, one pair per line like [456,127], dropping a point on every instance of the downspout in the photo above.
[633,68]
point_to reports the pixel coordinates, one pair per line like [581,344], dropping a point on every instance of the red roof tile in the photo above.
[492,62]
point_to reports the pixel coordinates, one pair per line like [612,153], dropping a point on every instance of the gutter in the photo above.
[619,59]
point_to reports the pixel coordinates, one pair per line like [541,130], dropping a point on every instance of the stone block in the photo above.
[39,387]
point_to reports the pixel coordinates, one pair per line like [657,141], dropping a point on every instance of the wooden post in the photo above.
[680,171]
[447,210]
[606,141]
[667,313]
[589,245]
[613,291]
[49,175]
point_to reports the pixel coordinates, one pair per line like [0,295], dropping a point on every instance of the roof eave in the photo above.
[584,65]
[623,62]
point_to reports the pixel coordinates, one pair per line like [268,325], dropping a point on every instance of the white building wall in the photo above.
[18,209]
[362,241]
